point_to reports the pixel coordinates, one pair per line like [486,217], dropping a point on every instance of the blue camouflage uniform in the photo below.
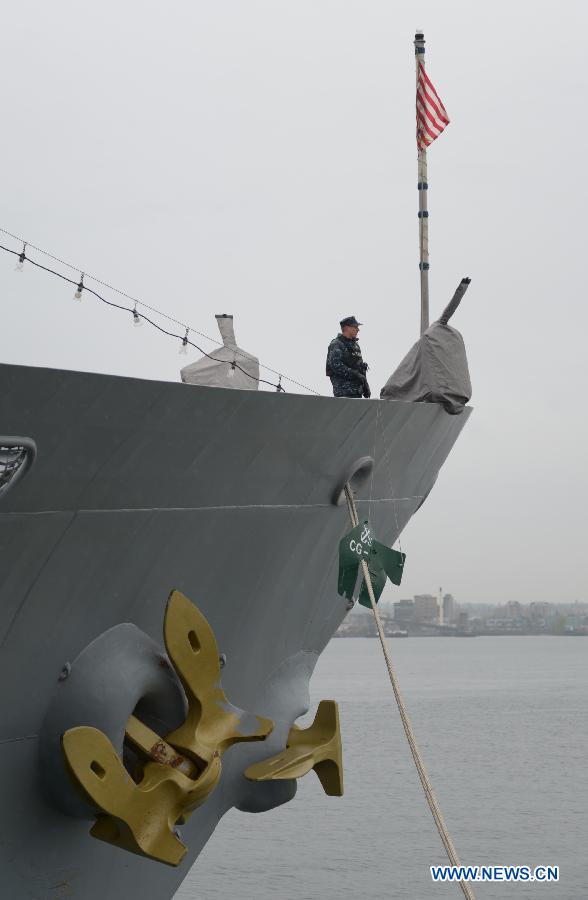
[346,368]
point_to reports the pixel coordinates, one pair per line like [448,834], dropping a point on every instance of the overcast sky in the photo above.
[258,158]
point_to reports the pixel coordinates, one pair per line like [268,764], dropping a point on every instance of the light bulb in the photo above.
[232,368]
[80,288]
[21,258]
[137,321]
[184,345]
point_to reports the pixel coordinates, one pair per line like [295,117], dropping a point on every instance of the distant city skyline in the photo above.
[425,615]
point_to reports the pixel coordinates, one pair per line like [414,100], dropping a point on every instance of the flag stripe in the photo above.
[424,128]
[435,121]
[431,110]
[439,108]
[430,85]
[432,127]
[432,116]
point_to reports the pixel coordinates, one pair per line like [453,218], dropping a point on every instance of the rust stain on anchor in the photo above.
[160,752]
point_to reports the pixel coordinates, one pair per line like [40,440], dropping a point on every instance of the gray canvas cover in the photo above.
[435,369]
[217,369]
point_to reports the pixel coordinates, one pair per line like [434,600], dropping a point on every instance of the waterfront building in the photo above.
[426,609]
[513,610]
[540,611]
[448,609]
[404,613]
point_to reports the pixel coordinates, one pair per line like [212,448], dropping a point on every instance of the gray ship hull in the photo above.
[140,487]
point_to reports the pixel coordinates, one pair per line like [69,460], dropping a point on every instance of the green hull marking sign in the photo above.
[359,544]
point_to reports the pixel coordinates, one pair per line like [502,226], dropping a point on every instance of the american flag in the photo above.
[432,117]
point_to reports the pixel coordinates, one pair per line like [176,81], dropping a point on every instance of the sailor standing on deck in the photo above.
[345,367]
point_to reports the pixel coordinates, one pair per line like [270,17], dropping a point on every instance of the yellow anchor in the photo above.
[183,769]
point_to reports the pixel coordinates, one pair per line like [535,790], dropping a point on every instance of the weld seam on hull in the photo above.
[15,740]
[150,509]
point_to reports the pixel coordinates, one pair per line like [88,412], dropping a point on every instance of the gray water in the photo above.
[503,727]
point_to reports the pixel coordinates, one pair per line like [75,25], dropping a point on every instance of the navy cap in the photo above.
[350,320]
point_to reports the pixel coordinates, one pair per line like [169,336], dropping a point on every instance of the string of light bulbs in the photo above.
[138,316]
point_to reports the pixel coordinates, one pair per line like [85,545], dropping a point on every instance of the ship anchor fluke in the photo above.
[179,771]
[133,816]
[317,747]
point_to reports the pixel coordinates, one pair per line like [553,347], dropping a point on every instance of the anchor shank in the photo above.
[153,746]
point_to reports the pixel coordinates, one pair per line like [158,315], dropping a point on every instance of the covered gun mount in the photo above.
[435,369]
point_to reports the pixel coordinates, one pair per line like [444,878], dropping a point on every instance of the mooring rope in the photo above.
[416,755]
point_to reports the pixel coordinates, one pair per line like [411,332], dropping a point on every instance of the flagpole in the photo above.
[419,51]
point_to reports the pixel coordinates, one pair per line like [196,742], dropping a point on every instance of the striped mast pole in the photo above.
[419,52]
[431,120]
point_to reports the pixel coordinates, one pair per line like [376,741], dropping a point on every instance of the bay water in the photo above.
[502,723]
